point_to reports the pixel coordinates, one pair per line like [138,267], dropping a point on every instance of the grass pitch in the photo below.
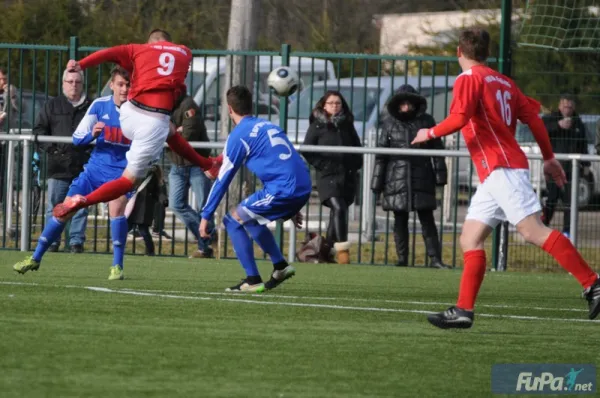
[169,330]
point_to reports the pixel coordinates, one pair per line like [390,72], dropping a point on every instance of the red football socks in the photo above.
[561,248]
[472,277]
[109,191]
[180,146]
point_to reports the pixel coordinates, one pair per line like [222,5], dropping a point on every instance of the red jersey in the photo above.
[158,70]
[490,104]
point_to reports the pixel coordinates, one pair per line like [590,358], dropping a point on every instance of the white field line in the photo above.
[232,298]
[316,298]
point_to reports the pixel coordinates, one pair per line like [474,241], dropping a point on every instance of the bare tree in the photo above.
[242,36]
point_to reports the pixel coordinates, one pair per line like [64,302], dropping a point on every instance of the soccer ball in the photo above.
[283,80]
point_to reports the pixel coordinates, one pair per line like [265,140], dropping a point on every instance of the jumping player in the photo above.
[108,160]
[265,149]
[485,108]
[158,70]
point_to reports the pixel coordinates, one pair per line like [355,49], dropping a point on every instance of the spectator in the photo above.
[567,135]
[332,124]
[408,183]
[9,103]
[143,206]
[59,117]
[189,123]
[160,213]
[9,113]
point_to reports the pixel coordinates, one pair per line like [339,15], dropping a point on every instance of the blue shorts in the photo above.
[89,181]
[264,207]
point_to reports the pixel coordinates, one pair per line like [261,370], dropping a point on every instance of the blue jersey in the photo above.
[265,149]
[108,157]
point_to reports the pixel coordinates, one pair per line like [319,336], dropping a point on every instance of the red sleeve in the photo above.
[122,55]
[466,95]
[529,113]
[451,124]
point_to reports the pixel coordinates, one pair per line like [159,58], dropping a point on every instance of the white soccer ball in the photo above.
[283,80]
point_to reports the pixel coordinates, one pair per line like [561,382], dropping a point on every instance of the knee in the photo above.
[470,242]
[534,234]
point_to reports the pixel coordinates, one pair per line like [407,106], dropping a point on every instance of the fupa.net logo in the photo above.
[544,379]
[548,382]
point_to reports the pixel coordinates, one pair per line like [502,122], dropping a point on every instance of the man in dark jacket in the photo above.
[59,117]
[183,175]
[409,182]
[567,135]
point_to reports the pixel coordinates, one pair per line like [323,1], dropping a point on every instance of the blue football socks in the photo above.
[51,232]
[119,228]
[242,245]
[265,239]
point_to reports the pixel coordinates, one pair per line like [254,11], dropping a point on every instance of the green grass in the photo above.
[332,331]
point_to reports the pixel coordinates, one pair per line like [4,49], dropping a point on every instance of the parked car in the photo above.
[207,77]
[30,105]
[367,98]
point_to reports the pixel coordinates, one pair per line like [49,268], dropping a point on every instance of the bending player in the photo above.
[158,70]
[486,107]
[265,149]
[101,123]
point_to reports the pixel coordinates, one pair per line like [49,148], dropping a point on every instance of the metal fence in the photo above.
[373,242]
[366,81]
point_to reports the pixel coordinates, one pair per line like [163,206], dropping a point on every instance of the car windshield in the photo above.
[194,81]
[363,101]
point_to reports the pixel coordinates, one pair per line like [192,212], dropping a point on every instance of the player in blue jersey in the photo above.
[101,123]
[266,151]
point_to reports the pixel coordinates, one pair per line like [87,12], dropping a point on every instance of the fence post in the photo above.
[26,190]
[283,116]
[574,201]
[73,47]
[500,235]
[10,159]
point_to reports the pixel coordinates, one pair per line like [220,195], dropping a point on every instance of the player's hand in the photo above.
[565,123]
[553,169]
[2,116]
[422,136]
[73,66]
[179,129]
[97,129]
[297,220]
[203,230]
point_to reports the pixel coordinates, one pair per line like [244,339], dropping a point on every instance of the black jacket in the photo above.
[146,200]
[572,140]
[187,114]
[60,119]
[407,182]
[337,173]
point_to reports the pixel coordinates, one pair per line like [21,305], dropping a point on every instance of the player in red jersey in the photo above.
[485,108]
[158,70]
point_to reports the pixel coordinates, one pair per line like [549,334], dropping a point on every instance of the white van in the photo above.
[207,75]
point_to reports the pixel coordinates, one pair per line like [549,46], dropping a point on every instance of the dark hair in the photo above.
[239,98]
[567,97]
[320,106]
[3,71]
[474,43]
[159,34]
[118,70]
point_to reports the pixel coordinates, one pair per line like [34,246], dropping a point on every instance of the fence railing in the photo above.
[373,243]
